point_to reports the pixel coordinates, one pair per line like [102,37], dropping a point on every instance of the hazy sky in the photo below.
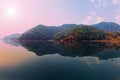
[17,16]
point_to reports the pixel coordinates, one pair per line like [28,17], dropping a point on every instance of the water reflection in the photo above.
[13,42]
[64,61]
[13,56]
[61,68]
[100,50]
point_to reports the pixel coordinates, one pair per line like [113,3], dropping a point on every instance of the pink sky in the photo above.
[30,13]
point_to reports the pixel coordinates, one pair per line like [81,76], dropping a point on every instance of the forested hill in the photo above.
[103,30]
[42,32]
[86,33]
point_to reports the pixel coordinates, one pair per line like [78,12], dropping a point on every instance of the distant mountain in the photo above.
[42,32]
[12,39]
[108,26]
[12,36]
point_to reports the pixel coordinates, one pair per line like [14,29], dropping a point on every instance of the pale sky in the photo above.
[17,16]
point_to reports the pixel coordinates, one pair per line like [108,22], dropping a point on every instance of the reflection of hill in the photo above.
[12,42]
[12,39]
[80,49]
[100,50]
[39,47]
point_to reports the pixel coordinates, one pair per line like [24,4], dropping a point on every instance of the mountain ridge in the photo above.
[108,26]
[43,32]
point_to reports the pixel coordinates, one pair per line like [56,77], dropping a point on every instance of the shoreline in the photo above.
[113,41]
[99,41]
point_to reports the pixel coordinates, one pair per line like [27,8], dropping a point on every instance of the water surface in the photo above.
[40,60]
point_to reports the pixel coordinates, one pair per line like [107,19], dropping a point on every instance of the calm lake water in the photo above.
[39,60]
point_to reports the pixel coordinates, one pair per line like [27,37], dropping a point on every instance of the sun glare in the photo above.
[11,11]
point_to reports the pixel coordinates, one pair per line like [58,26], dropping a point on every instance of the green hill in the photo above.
[81,33]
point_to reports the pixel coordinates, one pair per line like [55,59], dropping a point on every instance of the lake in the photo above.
[40,60]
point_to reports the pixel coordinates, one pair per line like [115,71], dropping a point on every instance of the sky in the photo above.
[17,16]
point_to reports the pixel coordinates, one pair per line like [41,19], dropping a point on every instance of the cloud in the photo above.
[99,19]
[117,15]
[100,3]
[116,1]
[92,19]
[92,0]
[104,3]
[117,18]
[89,18]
